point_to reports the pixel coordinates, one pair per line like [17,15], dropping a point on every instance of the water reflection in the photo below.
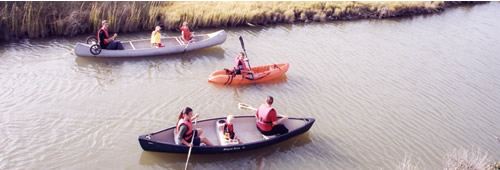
[106,70]
[211,53]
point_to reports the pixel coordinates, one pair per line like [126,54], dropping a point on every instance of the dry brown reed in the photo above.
[458,159]
[34,19]
[223,14]
[408,164]
[465,159]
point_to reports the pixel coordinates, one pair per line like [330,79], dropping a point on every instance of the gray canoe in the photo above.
[140,48]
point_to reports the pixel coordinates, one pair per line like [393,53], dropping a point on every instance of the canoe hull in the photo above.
[148,143]
[141,48]
[262,74]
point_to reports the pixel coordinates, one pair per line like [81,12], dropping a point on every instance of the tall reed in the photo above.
[223,14]
[35,19]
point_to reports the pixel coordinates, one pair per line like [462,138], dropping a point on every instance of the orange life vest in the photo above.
[189,133]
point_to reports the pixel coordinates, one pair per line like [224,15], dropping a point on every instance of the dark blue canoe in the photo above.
[244,127]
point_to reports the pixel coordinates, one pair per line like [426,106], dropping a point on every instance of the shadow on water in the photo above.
[251,157]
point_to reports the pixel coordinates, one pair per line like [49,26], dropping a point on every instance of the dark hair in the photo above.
[242,54]
[269,100]
[185,111]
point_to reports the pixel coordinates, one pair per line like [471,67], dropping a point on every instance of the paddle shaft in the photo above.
[191,147]
[248,62]
[251,108]
[185,48]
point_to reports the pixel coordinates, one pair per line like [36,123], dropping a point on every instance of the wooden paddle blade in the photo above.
[241,106]
[244,106]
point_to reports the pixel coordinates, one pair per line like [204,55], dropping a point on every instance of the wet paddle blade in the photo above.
[244,106]
[242,43]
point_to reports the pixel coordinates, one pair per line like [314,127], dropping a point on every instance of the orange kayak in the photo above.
[261,74]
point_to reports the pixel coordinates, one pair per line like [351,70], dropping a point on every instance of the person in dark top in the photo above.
[107,42]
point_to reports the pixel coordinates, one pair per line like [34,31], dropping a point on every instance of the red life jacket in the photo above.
[236,63]
[189,124]
[264,121]
[228,131]
[107,35]
[187,33]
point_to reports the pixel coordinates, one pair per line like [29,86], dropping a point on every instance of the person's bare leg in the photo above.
[199,131]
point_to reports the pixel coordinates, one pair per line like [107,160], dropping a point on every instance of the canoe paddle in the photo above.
[185,48]
[244,106]
[191,147]
[248,62]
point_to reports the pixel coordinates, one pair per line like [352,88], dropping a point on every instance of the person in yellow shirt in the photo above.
[156,38]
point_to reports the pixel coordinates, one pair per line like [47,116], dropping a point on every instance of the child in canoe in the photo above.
[228,130]
[156,38]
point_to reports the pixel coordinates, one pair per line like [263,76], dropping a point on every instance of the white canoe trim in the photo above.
[132,45]
[180,42]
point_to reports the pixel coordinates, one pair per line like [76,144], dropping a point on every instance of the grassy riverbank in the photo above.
[43,19]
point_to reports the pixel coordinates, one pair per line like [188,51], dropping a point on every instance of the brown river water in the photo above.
[380,90]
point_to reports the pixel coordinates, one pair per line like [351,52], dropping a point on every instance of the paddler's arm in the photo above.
[284,117]
[194,117]
[108,40]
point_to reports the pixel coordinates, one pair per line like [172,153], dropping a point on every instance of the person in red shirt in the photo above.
[267,120]
[186,33]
